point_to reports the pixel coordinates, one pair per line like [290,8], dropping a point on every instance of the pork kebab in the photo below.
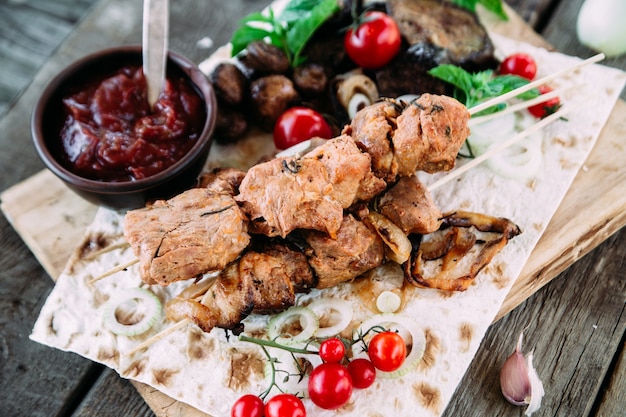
[298,222]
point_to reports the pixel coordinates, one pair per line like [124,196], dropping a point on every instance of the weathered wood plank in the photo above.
[575,324]
[29,33]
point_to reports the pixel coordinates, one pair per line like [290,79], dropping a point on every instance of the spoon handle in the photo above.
[155,45]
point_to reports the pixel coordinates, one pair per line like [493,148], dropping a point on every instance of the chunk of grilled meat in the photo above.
[224,305]
[402,138]
[260,282]
[222,180]
[309,192]
[354,251]
[409,205]
[195,232]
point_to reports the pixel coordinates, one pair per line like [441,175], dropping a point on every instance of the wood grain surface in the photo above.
[575,323]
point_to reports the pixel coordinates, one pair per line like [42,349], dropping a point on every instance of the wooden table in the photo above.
[576,323]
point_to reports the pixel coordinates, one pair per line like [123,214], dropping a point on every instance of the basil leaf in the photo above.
[302,30]
[494,6]
[245,35]
[290,32]
[471,89]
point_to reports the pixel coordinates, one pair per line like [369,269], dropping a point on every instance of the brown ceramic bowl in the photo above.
[47,119]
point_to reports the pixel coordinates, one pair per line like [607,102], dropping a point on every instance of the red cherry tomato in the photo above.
[298,124]
[387,351]
[284,405]
[546,108]
[330,386]
[519,64]
[332,350]
[374,42]
[363,372]
[247,406]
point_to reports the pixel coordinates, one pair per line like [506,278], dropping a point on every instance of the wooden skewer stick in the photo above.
[534,84]
[115,270]
[95,254]
[501,146]
[162,334]
[519,106]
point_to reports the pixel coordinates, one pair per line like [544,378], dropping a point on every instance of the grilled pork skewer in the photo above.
[202,230]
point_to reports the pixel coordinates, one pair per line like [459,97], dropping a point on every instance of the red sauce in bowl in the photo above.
[110,133]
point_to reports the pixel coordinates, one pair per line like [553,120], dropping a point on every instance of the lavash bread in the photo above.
[205,370]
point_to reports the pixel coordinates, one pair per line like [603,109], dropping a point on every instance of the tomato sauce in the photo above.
[110,133]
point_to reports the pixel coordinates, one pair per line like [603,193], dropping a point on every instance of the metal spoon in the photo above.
[155,44]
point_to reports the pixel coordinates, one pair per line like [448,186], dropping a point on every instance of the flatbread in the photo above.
[211,370]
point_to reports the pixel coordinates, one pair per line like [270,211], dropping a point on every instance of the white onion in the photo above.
[141,306]
[601,25]
[308,322]
[341,319]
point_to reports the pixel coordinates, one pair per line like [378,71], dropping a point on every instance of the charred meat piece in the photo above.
[451,258]
[409,205]
[310,192]
[349,171]
[371,129]
[259,282]
[222,180]
[285,194]
[277,274]
[354,251]
[430,132]
[230,84]
[195,232]
[225,304]
[425,134]
[271,96]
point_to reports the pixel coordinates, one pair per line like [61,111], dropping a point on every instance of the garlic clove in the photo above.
[519,381]
[536,387]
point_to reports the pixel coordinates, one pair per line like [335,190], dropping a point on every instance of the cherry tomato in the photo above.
[519,64]
[387,351]
[363,372]
[546,108]
[247,406]
[330,386]
[284,405]
[374,42]
[298,124]
[332,350]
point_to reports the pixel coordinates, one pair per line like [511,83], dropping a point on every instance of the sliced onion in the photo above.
[326,306]
[142,307]
[307,320]
[388,302]
[519,161]
[395,239]
[484,135]
[406,327]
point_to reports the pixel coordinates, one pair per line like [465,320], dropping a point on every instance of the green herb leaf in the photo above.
[290,32]
[472,89]
[494,6]
[302,29]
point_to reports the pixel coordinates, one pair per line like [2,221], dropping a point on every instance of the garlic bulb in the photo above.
[600,26]
[519,381]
